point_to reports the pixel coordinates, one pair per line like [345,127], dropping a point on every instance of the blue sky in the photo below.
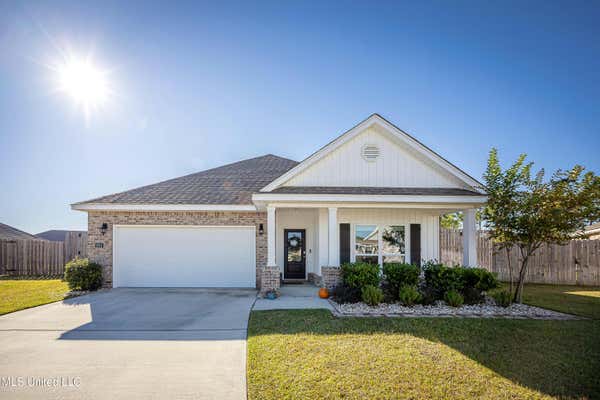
[197,85]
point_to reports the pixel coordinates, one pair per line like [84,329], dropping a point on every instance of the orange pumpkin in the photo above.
[323,293]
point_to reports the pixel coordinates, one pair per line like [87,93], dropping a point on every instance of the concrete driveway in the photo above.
[129,343]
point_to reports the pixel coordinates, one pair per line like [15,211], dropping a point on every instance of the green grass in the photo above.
[309,354]
[578,300]
[18,294]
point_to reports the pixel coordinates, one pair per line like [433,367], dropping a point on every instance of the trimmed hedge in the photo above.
[359,274]
[81,274]
[440,279]
[400,281]
[397,275]
[469,282]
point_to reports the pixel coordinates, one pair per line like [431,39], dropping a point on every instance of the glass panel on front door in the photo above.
[294,243]
[295,254]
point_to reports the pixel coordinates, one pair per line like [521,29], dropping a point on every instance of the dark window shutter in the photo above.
[415,244]
[344,243]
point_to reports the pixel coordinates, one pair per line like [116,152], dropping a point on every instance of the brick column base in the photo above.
[269,279]
[315,279]
[331,277]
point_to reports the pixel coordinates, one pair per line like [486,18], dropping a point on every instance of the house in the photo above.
[8,232]
[593,231]
[56,235]
[374,194]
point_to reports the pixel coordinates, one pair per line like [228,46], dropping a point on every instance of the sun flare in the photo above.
[84,82]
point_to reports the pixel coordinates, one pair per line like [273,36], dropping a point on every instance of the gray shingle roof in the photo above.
[55,235]
[7,232]
[229,184]
[375,190]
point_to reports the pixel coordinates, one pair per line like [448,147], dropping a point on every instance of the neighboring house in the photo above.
[56,235]
[7,232]
[593,231]
[375,193]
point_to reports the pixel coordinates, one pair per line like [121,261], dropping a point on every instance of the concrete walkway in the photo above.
[129,344]
[294,297]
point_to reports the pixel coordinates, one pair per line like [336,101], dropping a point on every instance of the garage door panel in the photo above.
[177,256]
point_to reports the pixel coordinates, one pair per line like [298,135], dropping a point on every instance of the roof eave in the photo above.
[160,207]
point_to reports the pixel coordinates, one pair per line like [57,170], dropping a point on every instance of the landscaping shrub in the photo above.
[372,295]
[397,275]
[487,280]
[453,298]
[478,278]
[345,294]
[502,298]
[441,279]
[469,276]
[470,282]
[427,296]
[475,282]
[389,295]
[81,274]
[472,295]
[409,295]
[359,274]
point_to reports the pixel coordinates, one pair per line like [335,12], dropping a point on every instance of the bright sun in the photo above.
[84,82]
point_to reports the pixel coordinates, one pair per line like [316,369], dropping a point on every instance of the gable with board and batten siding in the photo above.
[375,153]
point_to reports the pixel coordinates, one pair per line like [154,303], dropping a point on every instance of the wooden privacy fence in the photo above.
[40,257]
[575,263]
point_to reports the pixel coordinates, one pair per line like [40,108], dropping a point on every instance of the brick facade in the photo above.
[103,255]
[270,279]
[331,277]
[315,279]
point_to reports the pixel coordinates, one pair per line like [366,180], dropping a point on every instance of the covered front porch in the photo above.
[309,241]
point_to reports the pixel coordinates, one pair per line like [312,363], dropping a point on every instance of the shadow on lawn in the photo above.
[580,300]
[558,358]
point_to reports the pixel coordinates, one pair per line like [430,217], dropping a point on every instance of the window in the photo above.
[380,244]
[394,243]
[367,244]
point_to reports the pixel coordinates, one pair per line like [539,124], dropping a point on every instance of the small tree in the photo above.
[527,212]
[452,220]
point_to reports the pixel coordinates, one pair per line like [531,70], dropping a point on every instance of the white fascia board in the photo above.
[367,198]
[162,207]
[446,207]
[396,133]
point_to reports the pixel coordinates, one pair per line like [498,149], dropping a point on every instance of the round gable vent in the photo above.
[370,152]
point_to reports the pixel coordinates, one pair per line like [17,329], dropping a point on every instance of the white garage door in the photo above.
[184,256]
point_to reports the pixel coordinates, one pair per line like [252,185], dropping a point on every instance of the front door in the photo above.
[295,253]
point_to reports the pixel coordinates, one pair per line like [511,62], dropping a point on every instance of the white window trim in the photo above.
[380,253]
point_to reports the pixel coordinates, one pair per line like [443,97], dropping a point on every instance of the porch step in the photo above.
[294,281]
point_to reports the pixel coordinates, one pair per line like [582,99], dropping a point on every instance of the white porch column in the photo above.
[332,227]
[323,243]
[271,234]
[469,238]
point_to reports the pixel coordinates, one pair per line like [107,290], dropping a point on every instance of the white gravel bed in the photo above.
[440,309]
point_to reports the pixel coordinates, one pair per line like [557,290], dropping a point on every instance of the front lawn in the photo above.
[17,294]
[578,300]
[309,354]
